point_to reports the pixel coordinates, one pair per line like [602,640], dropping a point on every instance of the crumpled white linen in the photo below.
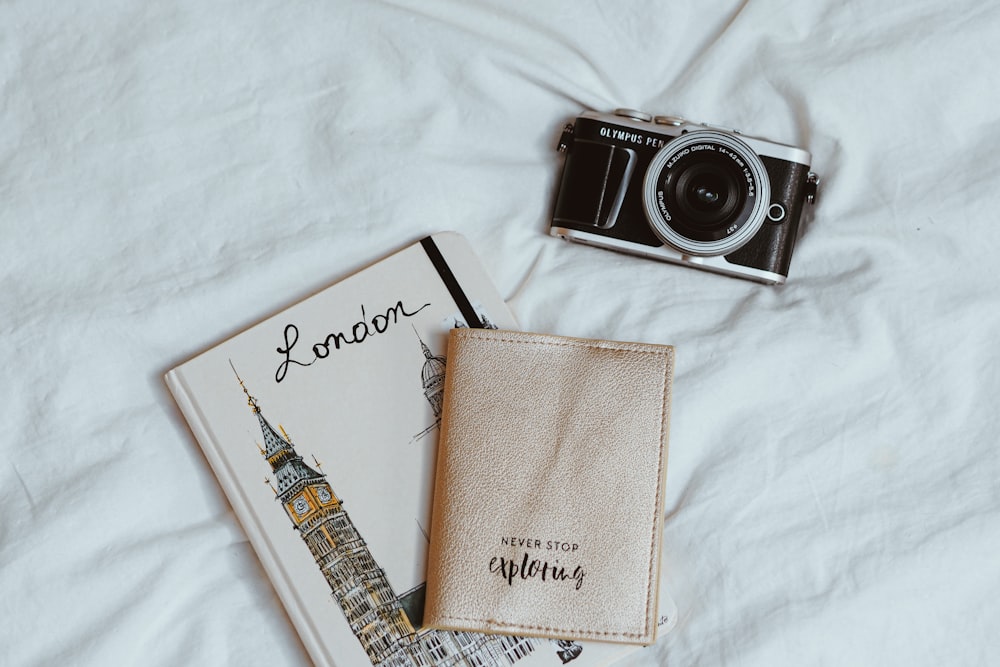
[171,172]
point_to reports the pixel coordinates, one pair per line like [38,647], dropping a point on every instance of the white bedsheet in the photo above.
[173,171]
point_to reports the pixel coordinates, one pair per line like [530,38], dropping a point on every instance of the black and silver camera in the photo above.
[683,192]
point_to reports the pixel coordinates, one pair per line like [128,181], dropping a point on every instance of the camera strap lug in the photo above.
[566,138]
[812,185]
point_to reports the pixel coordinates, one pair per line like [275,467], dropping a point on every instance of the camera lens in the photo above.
[705,193]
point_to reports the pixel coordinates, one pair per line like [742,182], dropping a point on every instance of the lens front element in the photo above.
[706,193]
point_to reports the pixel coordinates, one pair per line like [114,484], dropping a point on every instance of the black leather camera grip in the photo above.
[593,184]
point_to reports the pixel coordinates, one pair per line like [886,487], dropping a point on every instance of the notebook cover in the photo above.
[548,501]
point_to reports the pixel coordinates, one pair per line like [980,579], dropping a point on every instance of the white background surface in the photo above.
[171,172]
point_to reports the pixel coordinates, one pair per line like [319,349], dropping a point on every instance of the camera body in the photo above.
[682,192]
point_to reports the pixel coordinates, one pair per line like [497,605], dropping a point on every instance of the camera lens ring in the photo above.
[671,216]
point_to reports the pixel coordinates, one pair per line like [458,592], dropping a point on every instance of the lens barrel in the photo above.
[706,193]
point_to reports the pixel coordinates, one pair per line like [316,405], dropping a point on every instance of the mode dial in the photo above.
[634,114]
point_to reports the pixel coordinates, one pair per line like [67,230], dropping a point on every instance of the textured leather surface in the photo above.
[548,496]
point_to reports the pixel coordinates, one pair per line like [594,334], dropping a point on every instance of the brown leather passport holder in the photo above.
[548,501]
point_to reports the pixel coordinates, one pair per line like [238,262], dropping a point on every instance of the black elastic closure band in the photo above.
[448,278]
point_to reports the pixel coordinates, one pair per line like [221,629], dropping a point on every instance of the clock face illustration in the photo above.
[300,505]
[323,495]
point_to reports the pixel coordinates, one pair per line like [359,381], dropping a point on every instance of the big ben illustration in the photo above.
[377,616]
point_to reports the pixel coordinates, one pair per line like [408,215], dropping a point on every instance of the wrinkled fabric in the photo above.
[172,172]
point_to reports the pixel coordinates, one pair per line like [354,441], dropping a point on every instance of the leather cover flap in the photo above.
[547,512]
